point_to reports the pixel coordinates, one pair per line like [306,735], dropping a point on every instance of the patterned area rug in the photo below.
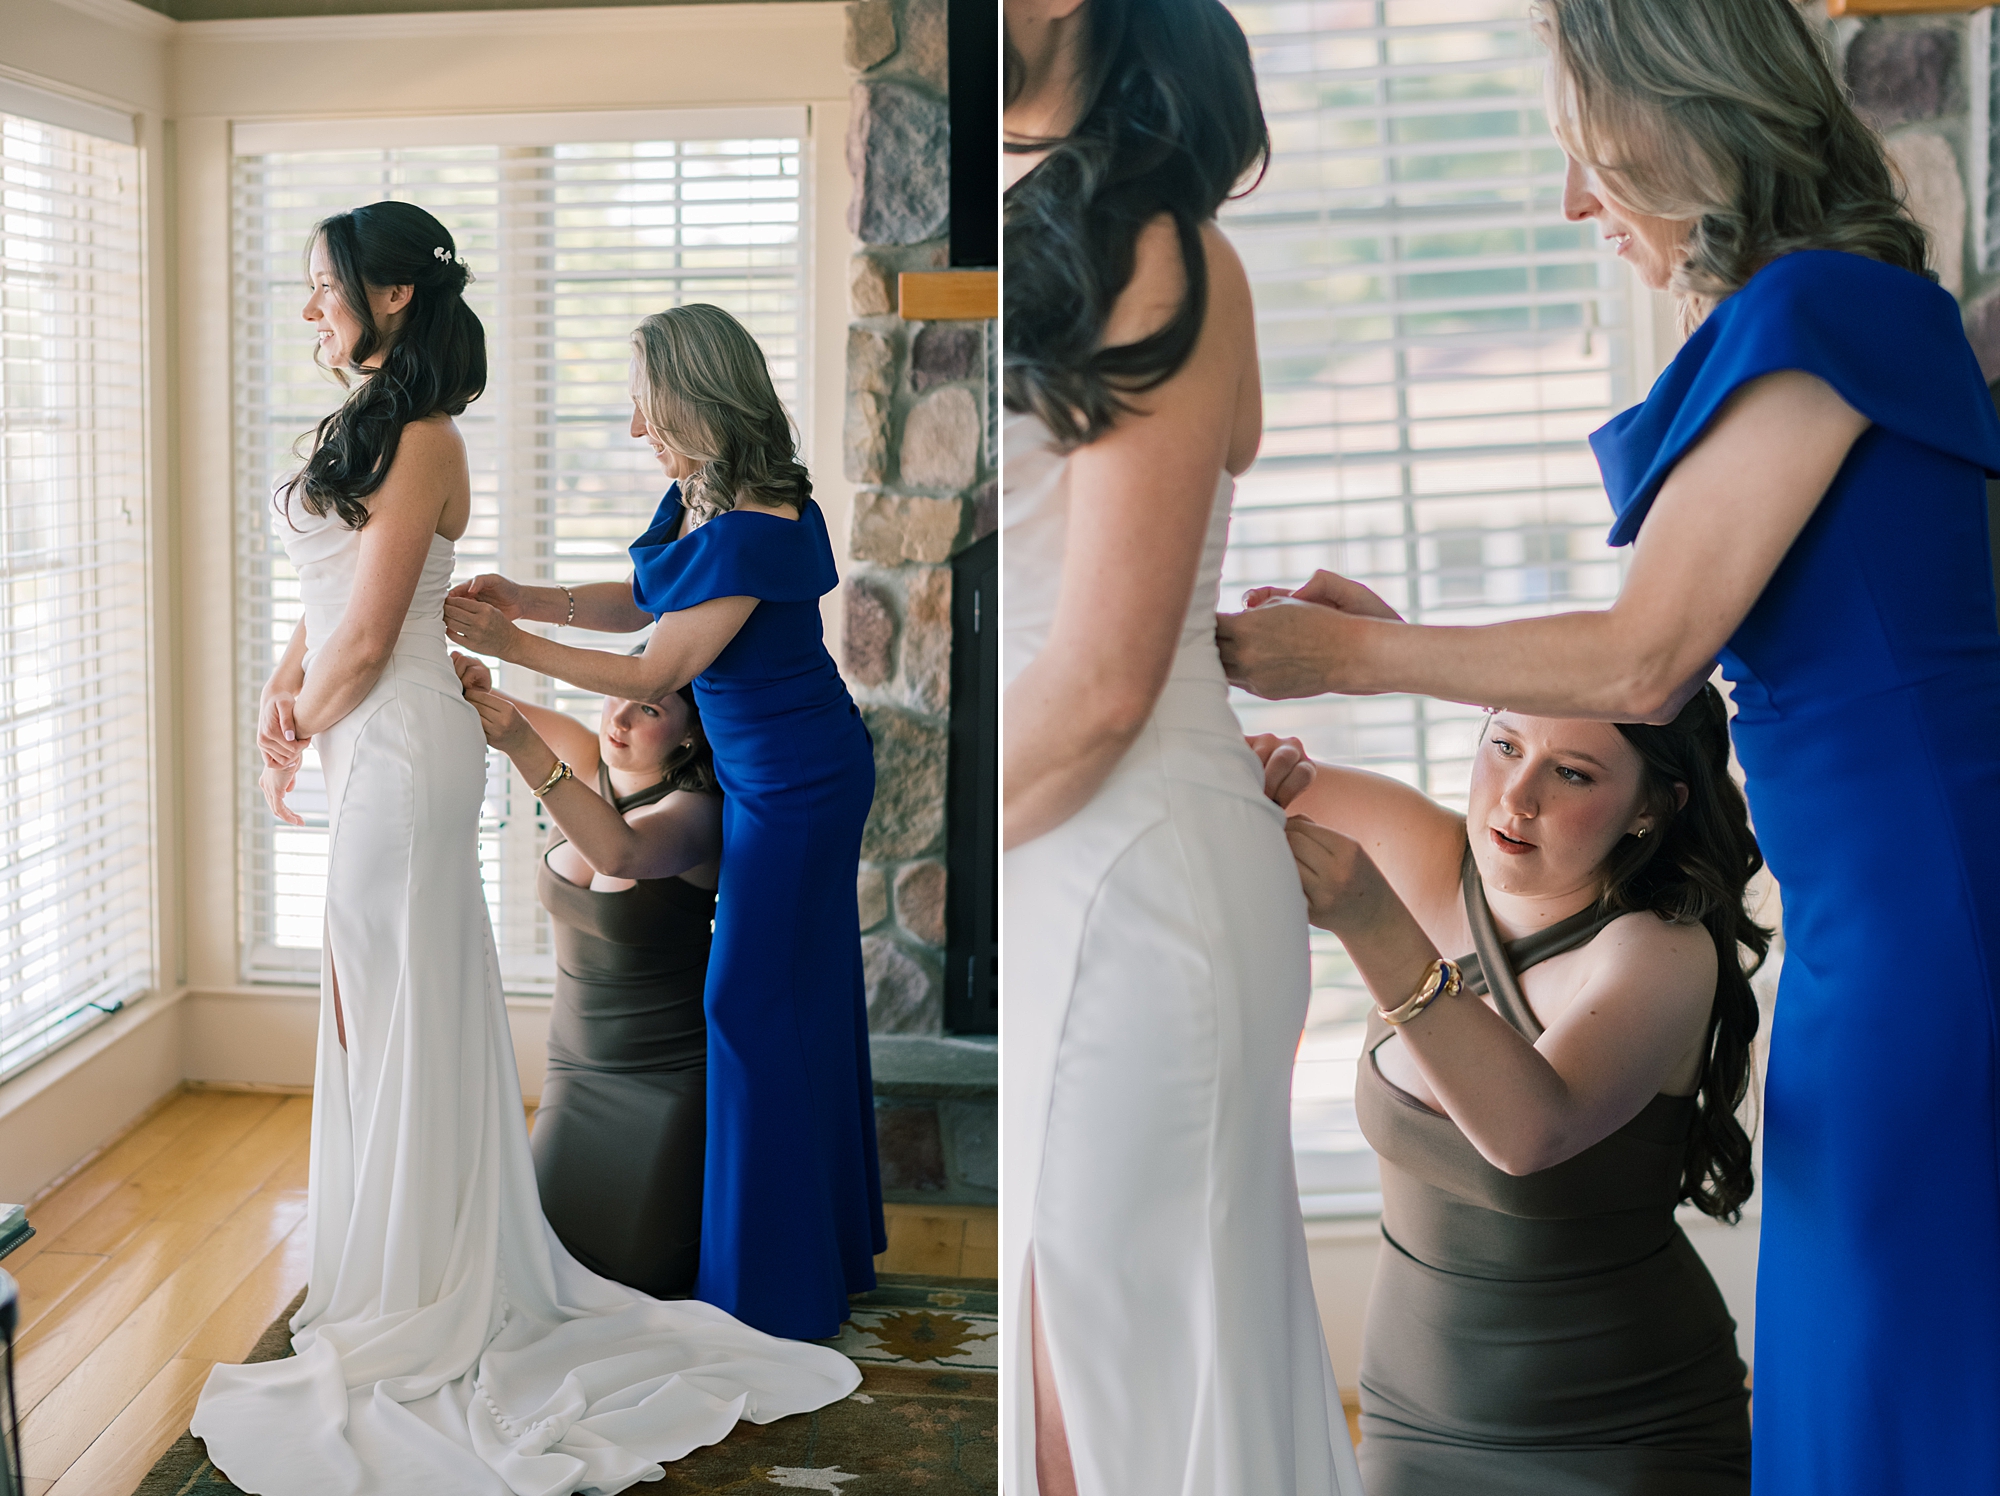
[925,1421]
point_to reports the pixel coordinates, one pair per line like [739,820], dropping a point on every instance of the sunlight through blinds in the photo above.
[76,897]
[1436,343]
[571,239]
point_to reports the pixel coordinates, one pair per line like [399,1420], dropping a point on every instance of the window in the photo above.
[1437,343]
[575,227]
[76,896]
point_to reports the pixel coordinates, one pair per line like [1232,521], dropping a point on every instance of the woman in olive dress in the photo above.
[1539,1324]
[629,881]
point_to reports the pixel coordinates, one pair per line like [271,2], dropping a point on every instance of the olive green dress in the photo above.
[620,1129]
[1553,1334]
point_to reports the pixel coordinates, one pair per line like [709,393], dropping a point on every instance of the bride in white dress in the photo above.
[448,1344]
[1162,1335]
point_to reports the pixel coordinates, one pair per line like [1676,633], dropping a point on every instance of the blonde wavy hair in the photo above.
[1726,113]
[703,388]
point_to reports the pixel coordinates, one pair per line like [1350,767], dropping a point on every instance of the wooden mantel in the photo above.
[948,295]
[1903,7]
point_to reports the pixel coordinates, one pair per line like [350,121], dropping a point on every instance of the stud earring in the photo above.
[1642,832]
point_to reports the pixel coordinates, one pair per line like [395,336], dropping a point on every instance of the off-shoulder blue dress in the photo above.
[1867,691]
[791,1214]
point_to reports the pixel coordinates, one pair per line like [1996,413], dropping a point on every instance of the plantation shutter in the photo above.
[76,893]
[1437,342]
[575,227]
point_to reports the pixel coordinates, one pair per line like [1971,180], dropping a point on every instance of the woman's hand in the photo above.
[276,782]
[278,737]
[1287,770]
[496,591]
[480,627]
[505,728]
[1291,644]
[1332,589]
[472,674]
[1345,892]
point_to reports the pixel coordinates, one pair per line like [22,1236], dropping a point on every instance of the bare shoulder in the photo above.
[1659,957]
[435,438]
[1159,282]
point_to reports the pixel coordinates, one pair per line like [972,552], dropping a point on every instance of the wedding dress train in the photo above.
[449,1345]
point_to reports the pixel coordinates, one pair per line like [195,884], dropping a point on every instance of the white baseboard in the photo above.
[269,1036]
[1342,1254]
[67,1106]
[64,1108]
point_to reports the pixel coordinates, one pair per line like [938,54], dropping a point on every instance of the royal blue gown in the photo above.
[1867,691]
[791,1213]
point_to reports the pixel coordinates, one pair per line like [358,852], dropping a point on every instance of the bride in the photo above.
[1157,980]
[447,1343]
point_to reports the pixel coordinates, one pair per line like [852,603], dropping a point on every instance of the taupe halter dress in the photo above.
[619,1132]
[1553,1334]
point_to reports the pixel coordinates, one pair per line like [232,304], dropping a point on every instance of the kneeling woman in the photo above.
[629,882]
[1539,1323]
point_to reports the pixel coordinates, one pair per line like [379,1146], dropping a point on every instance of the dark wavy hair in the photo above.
[1726,112]
[705,390]
[693,767]
[436,360]
[1170,123]
[1695,869]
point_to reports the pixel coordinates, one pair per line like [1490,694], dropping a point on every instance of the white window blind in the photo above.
[76,923]
[1437,342]
[575,227]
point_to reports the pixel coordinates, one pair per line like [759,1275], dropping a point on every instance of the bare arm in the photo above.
[1525,1107]
[603,607]
[1716,534]
[277,734]
[682,646]
[669,837]
[1416,842]
[1142,496]
[403,515]
[568,738]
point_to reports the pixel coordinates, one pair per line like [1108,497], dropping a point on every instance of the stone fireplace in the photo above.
[918,446]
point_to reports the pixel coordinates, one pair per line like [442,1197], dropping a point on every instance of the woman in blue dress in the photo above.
[733,567]
[1805,491]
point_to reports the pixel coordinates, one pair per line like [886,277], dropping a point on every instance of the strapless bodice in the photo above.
[1035,517]
[325,553]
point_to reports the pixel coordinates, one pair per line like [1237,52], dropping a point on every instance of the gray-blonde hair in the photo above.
[1726,113]
[703,389]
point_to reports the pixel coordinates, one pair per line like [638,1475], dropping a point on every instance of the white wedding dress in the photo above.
[1155,985]
[448,1344]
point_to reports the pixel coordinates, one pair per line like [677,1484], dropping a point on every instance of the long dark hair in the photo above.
[692,767]
[1170,124]
[1694,869]
[436,361]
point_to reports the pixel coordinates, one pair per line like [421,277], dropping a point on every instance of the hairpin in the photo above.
[446,256]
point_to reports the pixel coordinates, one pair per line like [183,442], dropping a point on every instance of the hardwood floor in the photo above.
[175,1246]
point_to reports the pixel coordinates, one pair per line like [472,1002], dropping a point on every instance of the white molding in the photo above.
[33,98]
[598,19]
[260,137]
[126,15]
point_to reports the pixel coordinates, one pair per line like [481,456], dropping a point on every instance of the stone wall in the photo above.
[1912,77]
[916,446]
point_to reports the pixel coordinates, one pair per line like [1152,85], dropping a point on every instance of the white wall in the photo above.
[186,83]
